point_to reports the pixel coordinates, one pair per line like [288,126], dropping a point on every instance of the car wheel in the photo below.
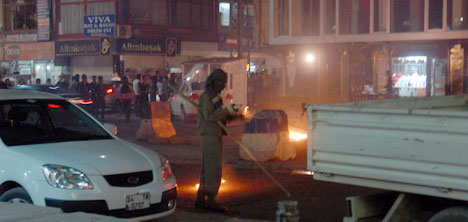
[16,195]
[183,114]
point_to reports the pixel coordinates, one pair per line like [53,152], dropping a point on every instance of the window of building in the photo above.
[380,15]
[224,14]
[457,14]
[180,14]
[354,16]
[330,20]
[435,14]
[306,17]
[20,15]
[407,16]
[152,12]
[281,17]
[70,13]
[195,13]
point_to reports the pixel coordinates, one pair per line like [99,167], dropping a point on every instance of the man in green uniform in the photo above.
[211,111]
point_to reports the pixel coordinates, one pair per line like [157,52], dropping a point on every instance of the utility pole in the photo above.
[240,26]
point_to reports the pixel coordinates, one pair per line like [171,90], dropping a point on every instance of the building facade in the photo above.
[349,50]
[44,39]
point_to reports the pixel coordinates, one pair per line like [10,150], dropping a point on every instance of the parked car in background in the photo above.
[53,154]
[112,98]
[85,103]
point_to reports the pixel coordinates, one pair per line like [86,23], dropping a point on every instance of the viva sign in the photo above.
[99,25]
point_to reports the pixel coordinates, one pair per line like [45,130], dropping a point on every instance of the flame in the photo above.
[198,185]
[296,136]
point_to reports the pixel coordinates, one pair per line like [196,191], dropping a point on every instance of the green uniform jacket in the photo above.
[211,110]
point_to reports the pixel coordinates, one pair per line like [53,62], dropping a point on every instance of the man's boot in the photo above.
[212,205]
[200,202]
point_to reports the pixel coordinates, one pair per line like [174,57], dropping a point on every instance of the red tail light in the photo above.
[54,106]
[194,96]
[109,91]
[86,102]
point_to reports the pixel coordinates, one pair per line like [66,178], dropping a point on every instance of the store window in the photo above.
[20,15]
[407,16]
[306,17]
[354,16]
[330,20]
[409,76]
[457,14]
[71,13]
[435,14]
[380,15]
[281,17]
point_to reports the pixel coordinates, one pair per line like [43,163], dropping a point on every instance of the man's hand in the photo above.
[233,108]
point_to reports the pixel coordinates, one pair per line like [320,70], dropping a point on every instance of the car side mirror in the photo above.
[111,127]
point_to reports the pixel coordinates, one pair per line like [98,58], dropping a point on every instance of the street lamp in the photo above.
[309,58]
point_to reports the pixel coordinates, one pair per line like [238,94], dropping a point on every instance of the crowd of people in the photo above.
[137,89]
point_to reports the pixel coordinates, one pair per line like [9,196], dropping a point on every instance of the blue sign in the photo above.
[99,25]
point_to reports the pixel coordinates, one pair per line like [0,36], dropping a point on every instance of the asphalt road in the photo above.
[248,193]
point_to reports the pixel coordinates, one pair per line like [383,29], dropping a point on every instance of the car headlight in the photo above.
[66,177]
[165,168]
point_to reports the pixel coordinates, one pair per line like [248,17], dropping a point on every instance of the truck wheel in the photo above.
[452,214]
[16,195]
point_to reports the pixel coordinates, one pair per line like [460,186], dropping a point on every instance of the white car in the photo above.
[181,107]
[52,153]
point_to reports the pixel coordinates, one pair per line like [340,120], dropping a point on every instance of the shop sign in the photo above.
[105,46]
[29,51]
[141,46]
[171,46]
[43,20]
[79,47]
[13,52]
[99,25]
[24,37]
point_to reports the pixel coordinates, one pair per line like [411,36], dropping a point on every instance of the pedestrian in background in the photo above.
[212,111]
[159,85]
[38,82]
[143,99]
[83,87]
[136,93]
[154,87]
[100,93]
[63,83]
[7,84]
[92,93]
[126,93]
[75,82]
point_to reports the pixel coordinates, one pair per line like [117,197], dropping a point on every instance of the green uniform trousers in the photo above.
[210,175]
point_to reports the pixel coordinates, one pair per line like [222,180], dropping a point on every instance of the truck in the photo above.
[194,77]
[414,148]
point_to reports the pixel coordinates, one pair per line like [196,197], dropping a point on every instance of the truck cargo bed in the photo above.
[415,145]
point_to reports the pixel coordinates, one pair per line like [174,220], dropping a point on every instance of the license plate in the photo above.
[137,201]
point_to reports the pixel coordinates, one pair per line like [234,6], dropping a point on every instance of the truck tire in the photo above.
[452,214]
[16,195]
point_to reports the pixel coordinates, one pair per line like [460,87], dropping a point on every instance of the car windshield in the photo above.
[24,122]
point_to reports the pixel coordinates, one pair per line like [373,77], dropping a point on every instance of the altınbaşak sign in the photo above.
[141,46]
[80,47]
